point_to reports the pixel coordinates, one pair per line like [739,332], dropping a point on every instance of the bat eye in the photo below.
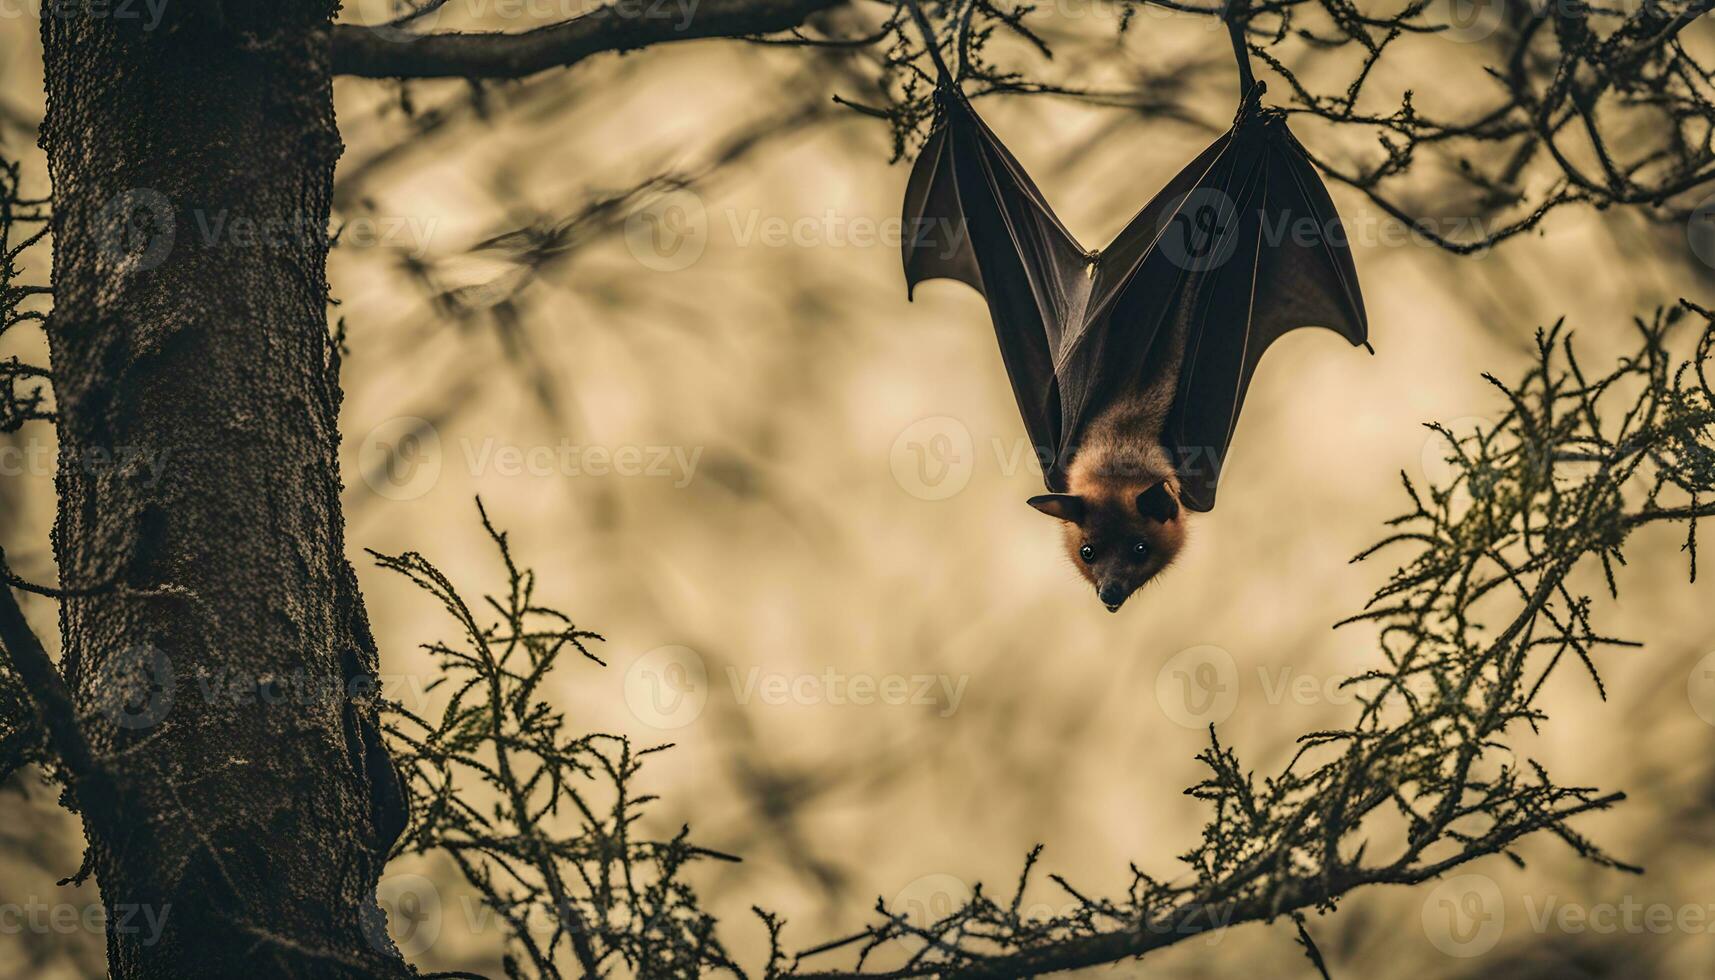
[1140,550]
[1087,553]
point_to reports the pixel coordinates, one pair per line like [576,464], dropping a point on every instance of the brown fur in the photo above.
[1119,458]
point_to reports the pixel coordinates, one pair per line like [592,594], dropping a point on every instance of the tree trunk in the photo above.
[192,166]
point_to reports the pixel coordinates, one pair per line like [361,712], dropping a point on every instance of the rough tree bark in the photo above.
[198,395]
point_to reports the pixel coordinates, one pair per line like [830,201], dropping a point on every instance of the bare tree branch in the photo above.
[57,715]
[625,25]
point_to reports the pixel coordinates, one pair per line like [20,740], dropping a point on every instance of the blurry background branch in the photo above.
[1590,104]
[23,224]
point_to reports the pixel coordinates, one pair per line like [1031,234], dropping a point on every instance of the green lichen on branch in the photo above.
[542,821]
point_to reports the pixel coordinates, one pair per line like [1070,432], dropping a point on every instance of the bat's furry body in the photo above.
[1119,460]
[1126,438]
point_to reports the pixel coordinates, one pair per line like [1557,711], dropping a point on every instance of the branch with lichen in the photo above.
[613,894]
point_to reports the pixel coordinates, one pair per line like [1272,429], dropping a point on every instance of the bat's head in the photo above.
[1119,537]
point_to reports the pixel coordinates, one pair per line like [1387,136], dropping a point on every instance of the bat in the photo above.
[1130,363]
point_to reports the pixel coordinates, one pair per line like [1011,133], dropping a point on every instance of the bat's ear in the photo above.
[1157,504]
[1066,506]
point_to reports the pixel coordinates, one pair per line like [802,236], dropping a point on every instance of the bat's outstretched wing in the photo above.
[1240,248]
[1280,262]
[972,214]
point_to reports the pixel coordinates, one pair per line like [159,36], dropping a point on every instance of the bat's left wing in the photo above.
[973,214]
[1277,260]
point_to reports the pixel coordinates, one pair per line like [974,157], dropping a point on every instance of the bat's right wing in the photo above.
[972,214]
[1241,248]
[1282,263]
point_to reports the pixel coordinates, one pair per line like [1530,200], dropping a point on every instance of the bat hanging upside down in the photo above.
[1130,364]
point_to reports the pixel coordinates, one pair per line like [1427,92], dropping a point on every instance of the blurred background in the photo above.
[651,310]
